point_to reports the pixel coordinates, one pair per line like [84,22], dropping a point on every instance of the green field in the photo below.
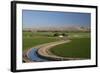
[32,39]
[78,47]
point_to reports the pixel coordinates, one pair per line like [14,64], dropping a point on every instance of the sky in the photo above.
[34,18]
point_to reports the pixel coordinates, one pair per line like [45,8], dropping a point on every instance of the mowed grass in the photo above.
[77,48]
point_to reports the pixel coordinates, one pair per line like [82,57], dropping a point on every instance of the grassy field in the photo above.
[32,39]
[77,48]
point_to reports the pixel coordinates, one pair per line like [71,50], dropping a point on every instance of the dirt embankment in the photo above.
[44,52]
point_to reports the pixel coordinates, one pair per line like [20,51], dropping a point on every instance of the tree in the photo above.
[63,34]
[56,34]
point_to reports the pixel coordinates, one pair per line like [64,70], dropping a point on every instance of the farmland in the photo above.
[32,39]
[77,48]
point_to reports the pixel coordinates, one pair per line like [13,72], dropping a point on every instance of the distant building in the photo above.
[61,36]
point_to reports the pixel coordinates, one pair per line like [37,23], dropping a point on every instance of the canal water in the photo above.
[33,56]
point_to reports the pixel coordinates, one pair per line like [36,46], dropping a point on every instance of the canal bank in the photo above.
[41,53]
[34,54]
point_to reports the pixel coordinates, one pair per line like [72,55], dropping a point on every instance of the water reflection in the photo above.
[32,55]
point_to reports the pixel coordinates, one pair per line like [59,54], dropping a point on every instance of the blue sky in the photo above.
[33,18]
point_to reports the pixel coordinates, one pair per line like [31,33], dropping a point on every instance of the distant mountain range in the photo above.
[67,28]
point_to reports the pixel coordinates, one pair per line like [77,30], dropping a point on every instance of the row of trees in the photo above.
[54,35]
[63,34]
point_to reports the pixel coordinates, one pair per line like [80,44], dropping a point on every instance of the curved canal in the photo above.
[33,56]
